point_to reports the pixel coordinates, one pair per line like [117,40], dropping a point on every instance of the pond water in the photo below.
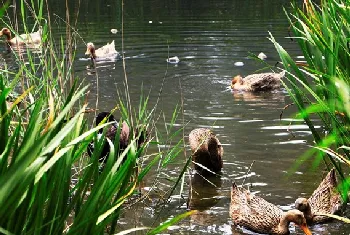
[209,37]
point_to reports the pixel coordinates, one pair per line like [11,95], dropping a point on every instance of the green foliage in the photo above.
[320,89]
[48,184]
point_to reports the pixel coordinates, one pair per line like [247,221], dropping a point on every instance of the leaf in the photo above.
[174,220]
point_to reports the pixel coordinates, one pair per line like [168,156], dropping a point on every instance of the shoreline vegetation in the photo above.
[320,89]
[48,183]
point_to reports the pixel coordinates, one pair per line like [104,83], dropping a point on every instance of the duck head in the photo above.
[302,204]
[6,32]
[90,50]
[298,218]
[236,81]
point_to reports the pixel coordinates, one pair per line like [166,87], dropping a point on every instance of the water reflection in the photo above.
[204,192]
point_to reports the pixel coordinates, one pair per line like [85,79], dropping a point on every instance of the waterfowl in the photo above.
[324,200]
[173,60]
[111,133]
[257,82]
[260,216]
[107,51]
[23,39]
[262,56]
[206,150]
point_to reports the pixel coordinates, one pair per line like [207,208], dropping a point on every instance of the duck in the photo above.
[206,150]
[30,39]
[257,82]
[111,133]
[107,51]
[262,56]
[326,199]
[173,60]
[261,216]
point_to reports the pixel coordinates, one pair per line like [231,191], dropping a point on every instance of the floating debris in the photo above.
[114,31]
[150,22]
[173,60]
[238,64]
[262,56]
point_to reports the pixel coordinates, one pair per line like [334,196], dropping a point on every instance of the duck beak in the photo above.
[87,52]
[305,229]
[1,33]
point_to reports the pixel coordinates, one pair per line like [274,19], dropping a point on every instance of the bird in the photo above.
[326,199]
[206,150]
[262,56]
[173,60]
[107,51]
[257,82]
[111,133]
[30,39]
[260,216]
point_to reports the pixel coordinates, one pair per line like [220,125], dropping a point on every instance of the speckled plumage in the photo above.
[324,200]
[260,216]
[206,149]
[258,82]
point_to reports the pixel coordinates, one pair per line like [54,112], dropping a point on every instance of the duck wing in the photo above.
[106,50]
[263,81]
[326,198]
[253,212]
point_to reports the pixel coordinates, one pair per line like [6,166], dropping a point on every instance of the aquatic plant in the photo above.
[47,183]
[320,89]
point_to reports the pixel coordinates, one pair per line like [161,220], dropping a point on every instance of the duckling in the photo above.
[111,134]
[258,82]
[324,200]
[23,39]
[260,216]
[107,51]
[206,150]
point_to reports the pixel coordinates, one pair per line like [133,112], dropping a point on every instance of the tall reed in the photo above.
[320,89]
[47,183]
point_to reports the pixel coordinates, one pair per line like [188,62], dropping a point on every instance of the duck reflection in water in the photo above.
[204,194]
[261,98]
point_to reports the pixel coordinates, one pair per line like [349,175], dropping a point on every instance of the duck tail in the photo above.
[333,177]
[234,186]
[283,73]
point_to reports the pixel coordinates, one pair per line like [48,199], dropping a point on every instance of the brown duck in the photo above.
[29,39]
[324,200]
[111,134]
[257,82]
[260,216]
[206,150]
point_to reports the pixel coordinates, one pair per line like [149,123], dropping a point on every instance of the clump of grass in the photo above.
[321,89]
[44,134]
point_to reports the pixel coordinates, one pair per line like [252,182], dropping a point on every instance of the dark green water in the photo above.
[208,37]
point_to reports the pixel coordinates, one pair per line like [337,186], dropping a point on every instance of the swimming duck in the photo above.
[262,56]
[111,132]
[173,60]
[260,216]
[257,82]
[23,39]
[107,51]
[206,150]
[324,200]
